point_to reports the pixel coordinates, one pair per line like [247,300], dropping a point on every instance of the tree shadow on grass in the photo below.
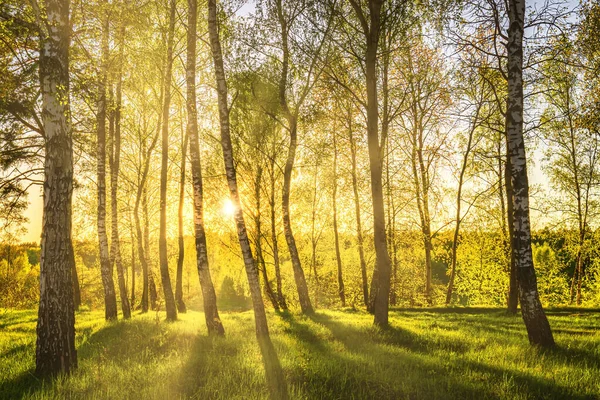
[122,341]
[453,374]
[24,383]
[217,362]
[362,369]
[276,381]
[117,342]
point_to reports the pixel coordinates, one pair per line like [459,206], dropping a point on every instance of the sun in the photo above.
[228,207]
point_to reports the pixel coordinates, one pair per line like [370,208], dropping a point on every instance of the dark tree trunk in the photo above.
[359,236]
[211,313]
[55,346]
[141,198]
[459,217]
[299,277]
[391,222]
[115,160]
[260,316]
[538,328]
[314,238]
[259,252]
[110,298]
[338,256]
[165,278]
[179,279]
[151,283]
[422,183]
[292,120]
[275,244]
[133,268]
[371,31]
[513,287]
[75,280]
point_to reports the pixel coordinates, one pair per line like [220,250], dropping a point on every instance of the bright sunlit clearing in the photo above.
[228,207]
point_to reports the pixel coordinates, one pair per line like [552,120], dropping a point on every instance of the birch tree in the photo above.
[55,345]
[538,328]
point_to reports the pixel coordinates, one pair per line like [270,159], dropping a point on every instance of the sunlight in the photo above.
[228,207]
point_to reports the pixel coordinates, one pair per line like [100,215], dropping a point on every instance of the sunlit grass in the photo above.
[333,355]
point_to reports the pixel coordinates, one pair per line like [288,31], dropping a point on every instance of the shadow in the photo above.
[393,335]
[13,351]
[26,383]
[531,387]
[449,310]
[573,356]
[198,366]
[362,368]
[274,373]
[437,350]
[134,338]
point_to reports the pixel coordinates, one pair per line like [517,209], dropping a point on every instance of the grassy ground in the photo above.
[428,354]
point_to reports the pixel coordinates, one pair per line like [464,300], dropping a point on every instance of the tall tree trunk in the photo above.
[579,280]
[359,236]
[211,313]
[314,240]
[165,278]
[151,284]
[55,345]
[141,198]
[259,252]
[75,280]
[179,280]
[110,298]
[275,379]
[292,121]
[115,159]
[391,223]
[140,242]
[459,217]
[280,298]
[371,30]
[260,316]
[426,218]
[513,287]
[133,268]
[538,328]
[338,256]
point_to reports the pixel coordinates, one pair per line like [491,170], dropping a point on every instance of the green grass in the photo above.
[426,354]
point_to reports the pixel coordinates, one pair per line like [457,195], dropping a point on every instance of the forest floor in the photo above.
[426,354]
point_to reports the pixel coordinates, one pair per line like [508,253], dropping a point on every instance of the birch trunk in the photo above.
[110,299]
[513,287]
[338,256]
[211,313]
[55,345]
[165,278]
[260,316]
[115,160]
[179,278]
[538,328]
